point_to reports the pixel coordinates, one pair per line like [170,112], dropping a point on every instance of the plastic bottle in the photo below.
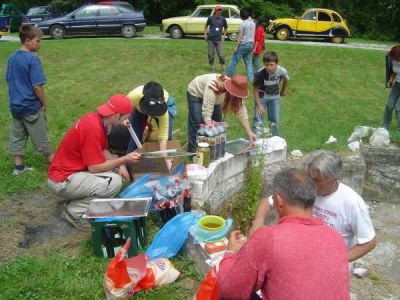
[187,198]
[223,139]
[158,201]
[170,203]
[211,142]
[179,195]
[217,141]
[201,135]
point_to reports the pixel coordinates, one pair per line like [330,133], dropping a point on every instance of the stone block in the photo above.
[354,169]
[360,272]
[226,177]
[382,178]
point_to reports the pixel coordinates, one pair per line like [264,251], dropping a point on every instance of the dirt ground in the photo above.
[31,223]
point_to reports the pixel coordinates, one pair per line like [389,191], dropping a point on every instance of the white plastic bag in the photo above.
[379,138]
[359,133]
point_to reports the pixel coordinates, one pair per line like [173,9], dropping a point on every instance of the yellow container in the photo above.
[211,223]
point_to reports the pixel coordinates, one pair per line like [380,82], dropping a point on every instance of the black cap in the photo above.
[153,102]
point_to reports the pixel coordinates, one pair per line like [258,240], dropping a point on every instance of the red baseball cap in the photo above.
[218,7]
[117,104]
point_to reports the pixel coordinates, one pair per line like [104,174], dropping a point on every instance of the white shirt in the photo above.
[347,212]
[396,69]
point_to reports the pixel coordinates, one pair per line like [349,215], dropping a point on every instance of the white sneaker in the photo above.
[17,172]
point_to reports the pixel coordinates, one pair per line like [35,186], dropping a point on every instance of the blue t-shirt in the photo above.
[24,71]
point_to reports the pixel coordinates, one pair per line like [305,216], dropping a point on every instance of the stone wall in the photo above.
[226,177]
[374,173]
[382,177]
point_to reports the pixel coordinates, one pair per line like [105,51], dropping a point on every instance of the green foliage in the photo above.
[372,19]
[242,206]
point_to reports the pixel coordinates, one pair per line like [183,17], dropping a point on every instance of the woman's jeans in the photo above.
[393,103]
[195,118]
[272,108]
[244,51]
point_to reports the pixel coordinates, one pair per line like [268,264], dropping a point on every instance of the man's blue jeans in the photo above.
[195,118]
[272,108]
[392,104]
[244,51]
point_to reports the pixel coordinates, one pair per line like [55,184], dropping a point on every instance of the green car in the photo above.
[15,15]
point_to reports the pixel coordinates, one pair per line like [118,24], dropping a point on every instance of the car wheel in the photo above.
[57,32]
[176,32]
[337,39]
[128,31]
[233,36]
[282,34]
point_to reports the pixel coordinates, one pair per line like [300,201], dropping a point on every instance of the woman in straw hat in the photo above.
[209,96]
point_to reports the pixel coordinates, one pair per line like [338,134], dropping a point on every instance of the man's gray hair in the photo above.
[296,187]
[327,163]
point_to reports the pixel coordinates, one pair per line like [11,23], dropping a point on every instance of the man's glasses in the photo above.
[154,101]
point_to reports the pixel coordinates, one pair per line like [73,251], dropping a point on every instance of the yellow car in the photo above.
[314,22]
[194,24]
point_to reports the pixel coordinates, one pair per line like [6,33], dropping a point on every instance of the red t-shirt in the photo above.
[299,258]
[260,39]
[82,145]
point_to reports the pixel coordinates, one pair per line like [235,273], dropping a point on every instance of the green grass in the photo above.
[331,90]
[54,275]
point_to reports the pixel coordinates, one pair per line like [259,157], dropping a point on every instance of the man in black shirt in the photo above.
[214,33]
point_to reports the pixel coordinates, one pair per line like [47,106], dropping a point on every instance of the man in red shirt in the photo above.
[82,166]
[298,258]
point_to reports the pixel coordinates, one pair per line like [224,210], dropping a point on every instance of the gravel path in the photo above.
[349,44]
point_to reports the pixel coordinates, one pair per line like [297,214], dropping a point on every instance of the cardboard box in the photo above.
[157,166]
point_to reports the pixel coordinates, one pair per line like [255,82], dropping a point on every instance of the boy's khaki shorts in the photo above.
[35,126]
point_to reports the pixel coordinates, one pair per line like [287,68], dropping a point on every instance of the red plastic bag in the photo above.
[209,289]
[117,281]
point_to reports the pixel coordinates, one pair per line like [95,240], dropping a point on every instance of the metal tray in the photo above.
[130,207]
[239,146]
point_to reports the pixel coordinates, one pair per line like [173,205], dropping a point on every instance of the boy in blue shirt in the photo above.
[25,78]
[269,84]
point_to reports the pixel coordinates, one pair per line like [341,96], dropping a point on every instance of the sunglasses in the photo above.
[154,101]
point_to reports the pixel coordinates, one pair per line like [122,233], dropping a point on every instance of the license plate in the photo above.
[36,19]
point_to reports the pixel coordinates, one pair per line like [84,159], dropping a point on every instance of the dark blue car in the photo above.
[95,19]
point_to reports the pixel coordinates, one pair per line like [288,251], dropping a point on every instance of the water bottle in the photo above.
[222,137]
[211,142]
[200,135]
[217,141]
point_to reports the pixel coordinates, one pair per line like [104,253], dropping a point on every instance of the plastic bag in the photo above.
[379,138]
[209,289]
[138,188]
[171,237]
[125,277]
[200,235]
[159,272]
[143,187]
[359,133]
[117,283]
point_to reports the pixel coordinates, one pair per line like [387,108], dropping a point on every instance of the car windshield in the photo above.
[41,10]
